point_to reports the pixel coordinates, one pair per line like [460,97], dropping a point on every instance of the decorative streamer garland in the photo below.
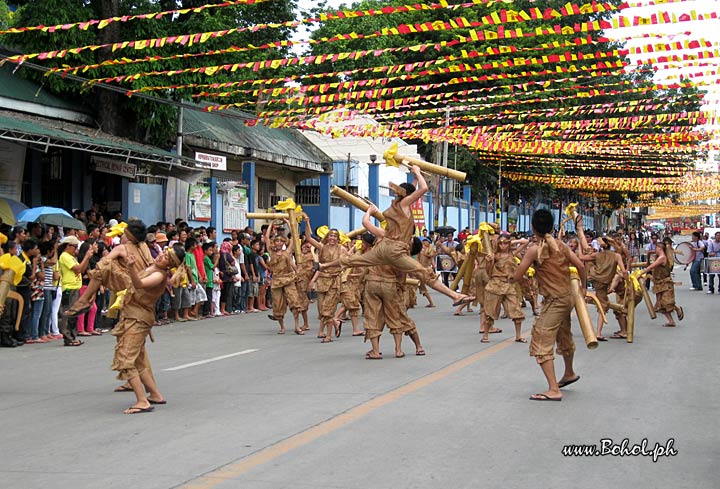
[102,23]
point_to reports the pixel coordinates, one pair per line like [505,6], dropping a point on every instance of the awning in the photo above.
[46,133]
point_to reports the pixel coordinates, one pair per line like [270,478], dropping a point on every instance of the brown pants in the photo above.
[389,252]
[551,327]
[511,302]
[130,358]
[382,306]
[283,297]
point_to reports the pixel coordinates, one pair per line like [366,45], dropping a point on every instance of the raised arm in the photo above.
[420,189]
[367,222]
[308,234]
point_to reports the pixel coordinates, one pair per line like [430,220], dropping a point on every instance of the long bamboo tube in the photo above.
[630,306]
[355,233]
[392,158]
[354,200]
[268,215]
[295,236]
[648,300]
[582,313]
[596,301]
[460,275]
[6,282]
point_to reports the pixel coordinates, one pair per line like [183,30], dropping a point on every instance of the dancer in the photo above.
[328,279]
[304,272]
[383,290]
[394,248]
[136,320]
[500,289]
[132,244]
[284,290]
[663,285]
[551,260]
[426,258]
[601,273]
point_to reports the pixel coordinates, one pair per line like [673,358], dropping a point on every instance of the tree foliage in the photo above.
[138,118]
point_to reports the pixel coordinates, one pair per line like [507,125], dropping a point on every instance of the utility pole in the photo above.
[500,195]
[347,176]
[445,181]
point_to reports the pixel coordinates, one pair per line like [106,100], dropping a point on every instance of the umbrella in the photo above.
[445,230]
[9,209]
[50,215]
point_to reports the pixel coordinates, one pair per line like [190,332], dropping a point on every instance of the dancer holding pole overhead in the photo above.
[394,248]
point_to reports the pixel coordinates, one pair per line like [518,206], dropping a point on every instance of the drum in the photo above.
[712,265]
[684,253]
[445,263]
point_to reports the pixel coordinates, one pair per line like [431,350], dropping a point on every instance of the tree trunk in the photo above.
[110,114]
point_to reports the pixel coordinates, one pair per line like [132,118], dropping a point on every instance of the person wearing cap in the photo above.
[70,283]
[663,285]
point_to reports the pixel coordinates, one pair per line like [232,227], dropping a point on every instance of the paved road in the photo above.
[295,413]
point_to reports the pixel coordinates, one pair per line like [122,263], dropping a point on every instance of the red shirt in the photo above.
[199,258]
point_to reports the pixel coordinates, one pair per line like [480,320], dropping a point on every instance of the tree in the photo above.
[139,118]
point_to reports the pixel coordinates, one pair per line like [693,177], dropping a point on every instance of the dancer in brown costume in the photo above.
[284,290]
[328,279]
[133,246]
[136,320]
[394,248]
[663,285]
[551,260]
[601,272]
[501,290]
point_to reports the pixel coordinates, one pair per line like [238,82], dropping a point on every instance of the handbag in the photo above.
[230,269]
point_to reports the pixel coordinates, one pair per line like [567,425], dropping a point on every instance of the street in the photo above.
[248,408]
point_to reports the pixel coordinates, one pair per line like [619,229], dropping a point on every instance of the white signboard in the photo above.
[12,164]
[115,167]
[235,208]
[210,162]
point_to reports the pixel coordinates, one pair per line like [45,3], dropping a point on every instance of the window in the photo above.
[266,192]
[307,195]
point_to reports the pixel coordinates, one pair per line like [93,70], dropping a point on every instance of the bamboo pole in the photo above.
[392,158]
[354,200]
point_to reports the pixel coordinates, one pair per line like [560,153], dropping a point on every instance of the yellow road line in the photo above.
[215,477]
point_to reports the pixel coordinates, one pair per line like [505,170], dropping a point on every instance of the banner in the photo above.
[199,208]
[418,214]
[235,208]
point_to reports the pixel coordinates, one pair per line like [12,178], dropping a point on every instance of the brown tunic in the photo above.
[136,319]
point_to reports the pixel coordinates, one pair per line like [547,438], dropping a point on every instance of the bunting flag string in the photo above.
[660,184]
[102,23]
[345,85]
[495,18]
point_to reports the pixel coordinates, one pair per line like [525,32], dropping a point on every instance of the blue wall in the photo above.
[150,207]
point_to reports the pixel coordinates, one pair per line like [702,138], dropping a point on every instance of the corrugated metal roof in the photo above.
[40,131]
[18,88]
[282,146]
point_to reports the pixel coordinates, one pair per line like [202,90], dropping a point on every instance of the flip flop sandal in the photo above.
[123,388]
[420,353]
[568,382]
[465,300]
[543,397]
[680,313]
[137,410]
[71,313]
